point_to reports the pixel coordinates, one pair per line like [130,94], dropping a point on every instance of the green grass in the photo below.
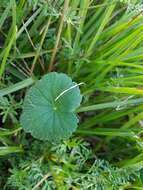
[95,42]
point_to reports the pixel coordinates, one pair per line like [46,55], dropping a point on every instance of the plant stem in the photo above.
[41,181]
[66,3]
[41,44]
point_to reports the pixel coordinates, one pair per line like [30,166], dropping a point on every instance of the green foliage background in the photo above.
[95,42]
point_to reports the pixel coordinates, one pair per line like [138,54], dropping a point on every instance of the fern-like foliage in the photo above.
[71,165]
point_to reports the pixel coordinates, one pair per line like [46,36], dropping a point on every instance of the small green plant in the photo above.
[70,165]
[8,108]
[48,110]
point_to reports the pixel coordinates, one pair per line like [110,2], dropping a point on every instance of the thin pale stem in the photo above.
[41,181]
[66,3]
[67,90]
[41,44]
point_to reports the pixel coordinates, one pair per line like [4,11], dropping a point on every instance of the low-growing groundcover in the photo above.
[71,77]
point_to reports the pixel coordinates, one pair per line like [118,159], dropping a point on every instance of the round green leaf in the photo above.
[48,109]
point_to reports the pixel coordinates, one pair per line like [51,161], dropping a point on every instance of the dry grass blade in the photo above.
[41,181]
[65,9]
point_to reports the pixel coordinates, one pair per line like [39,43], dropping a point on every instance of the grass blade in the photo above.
[113,104]
[9,149]
[18,86]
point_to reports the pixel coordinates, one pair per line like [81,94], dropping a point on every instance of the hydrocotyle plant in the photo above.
[48,109]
